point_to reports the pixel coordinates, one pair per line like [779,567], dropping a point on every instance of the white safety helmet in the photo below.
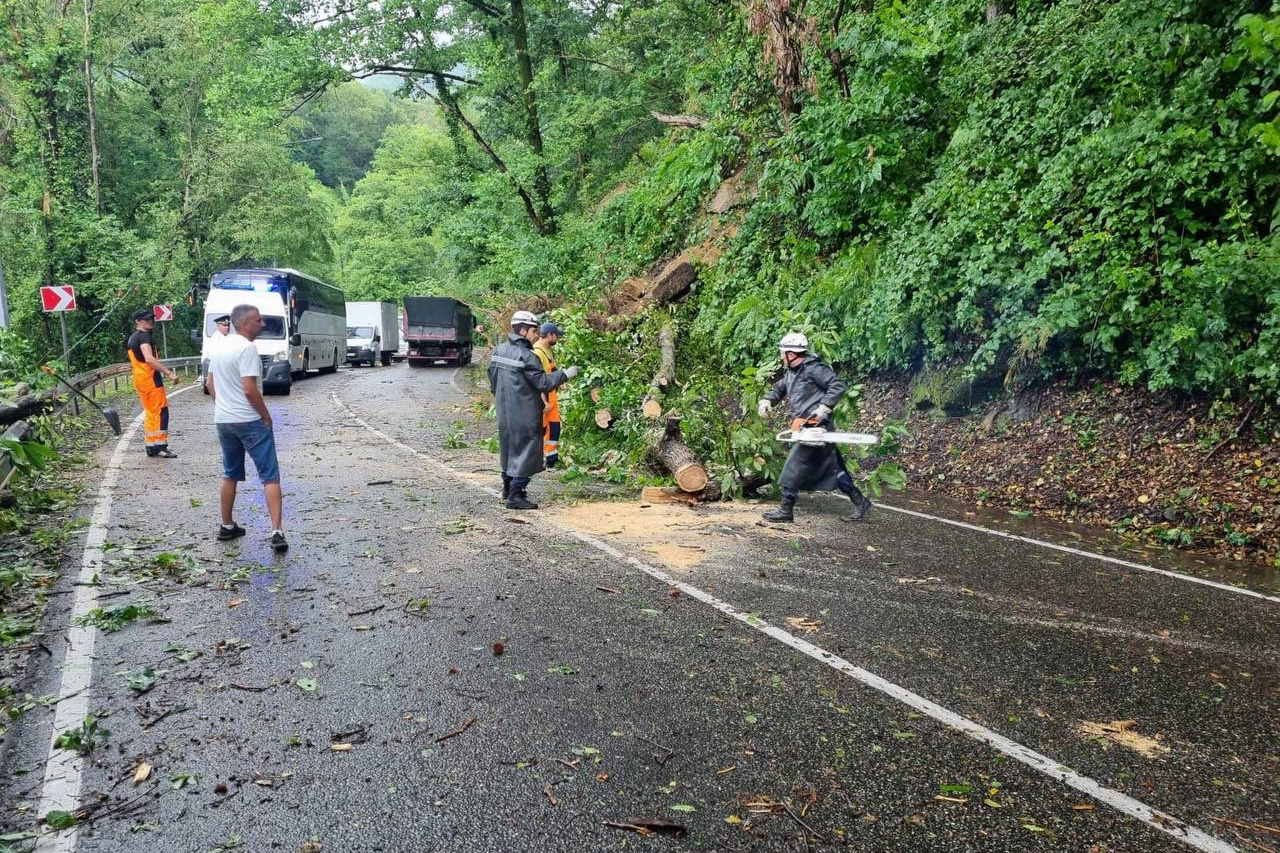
[793,342]
[524,318]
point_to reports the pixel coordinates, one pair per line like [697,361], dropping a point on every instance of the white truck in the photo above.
[373,332]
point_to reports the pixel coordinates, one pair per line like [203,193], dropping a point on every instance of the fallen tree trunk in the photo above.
[652,406]
[680,120]
[679,459]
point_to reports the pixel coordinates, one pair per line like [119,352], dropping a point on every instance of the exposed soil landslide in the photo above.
[1199,476]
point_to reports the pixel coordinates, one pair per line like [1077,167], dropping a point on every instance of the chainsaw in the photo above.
[806,431]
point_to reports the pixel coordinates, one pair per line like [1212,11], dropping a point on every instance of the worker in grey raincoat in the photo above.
[811,390]
[518,381]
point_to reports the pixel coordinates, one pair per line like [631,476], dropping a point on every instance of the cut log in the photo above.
[667,495]
[652,406]
[595,395]
[680,120]
[604,418]
[679,459]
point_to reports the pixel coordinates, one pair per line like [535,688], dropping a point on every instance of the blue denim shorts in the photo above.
[255,438]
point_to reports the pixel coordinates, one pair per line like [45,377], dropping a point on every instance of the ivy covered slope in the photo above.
[1028,190]
[1040,189]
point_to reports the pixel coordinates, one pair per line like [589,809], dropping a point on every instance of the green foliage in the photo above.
[27,456]
[84,738]
[112,619]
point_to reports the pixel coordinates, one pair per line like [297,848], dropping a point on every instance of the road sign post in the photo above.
[163,314]
[66,357]
[60,299]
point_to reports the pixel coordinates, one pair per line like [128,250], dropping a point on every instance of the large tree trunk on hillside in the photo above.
[92,112]
[679,459]
[666,374]
[533,128]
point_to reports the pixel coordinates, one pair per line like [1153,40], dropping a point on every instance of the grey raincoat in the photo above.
[518,382]
[806,386]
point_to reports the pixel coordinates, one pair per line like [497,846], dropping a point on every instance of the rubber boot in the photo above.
[783,512]
[520,500]
[506,486]
[860,506]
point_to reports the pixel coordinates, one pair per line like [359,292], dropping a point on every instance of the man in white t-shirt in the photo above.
[244,423]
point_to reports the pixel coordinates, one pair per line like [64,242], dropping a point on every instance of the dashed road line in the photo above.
[64,769]
[1121,802]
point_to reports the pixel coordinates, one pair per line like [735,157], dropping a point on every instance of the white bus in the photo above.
[306,321]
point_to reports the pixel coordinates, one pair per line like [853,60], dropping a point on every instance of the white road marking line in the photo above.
[64,769]
[1081,553]
[1117,800]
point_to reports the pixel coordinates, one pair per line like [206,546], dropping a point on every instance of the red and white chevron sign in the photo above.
[61,297]
[163,312]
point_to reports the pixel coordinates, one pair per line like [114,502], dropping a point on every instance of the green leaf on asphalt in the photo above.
[562,669]
[682,807]
[178,781]
[59,819]
[904,735]
[307,685]
[750,719]
[958,788]
[1031,827]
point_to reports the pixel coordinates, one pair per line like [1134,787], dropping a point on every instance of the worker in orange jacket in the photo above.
[549,333]
[148,382]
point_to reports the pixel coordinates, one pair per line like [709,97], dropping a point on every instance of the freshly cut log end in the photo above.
[691,477]
[651,408]
[676,456]
[604,418]
[595,395]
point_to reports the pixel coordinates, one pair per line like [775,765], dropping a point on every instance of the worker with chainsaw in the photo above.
[812,391]
[149,383]
[518,381]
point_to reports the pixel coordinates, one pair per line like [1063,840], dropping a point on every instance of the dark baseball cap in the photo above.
[144,314]
[550,329]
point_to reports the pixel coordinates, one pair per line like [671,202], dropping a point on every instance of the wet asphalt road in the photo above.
[616,696]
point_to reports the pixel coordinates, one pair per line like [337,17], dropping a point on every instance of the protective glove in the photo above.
[763,408]
[821,413]
[572,371]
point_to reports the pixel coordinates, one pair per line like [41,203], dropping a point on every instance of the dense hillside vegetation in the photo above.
[1023,189]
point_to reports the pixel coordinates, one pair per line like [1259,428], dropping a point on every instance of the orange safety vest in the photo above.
[155,403]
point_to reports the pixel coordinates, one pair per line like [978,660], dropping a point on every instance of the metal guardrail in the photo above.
[88,382]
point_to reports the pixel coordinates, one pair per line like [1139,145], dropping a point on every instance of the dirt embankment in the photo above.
[1201,476]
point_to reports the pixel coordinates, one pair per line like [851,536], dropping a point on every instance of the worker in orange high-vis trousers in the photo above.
[147,381]
[548,334]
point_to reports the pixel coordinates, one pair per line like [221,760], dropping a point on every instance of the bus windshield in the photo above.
[259,281]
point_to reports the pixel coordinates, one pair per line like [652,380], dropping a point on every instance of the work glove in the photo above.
[821,413]
[763,408]
[572,371]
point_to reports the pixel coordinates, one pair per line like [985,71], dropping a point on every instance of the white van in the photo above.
[373,332]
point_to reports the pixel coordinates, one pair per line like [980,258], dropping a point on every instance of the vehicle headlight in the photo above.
[281,356]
